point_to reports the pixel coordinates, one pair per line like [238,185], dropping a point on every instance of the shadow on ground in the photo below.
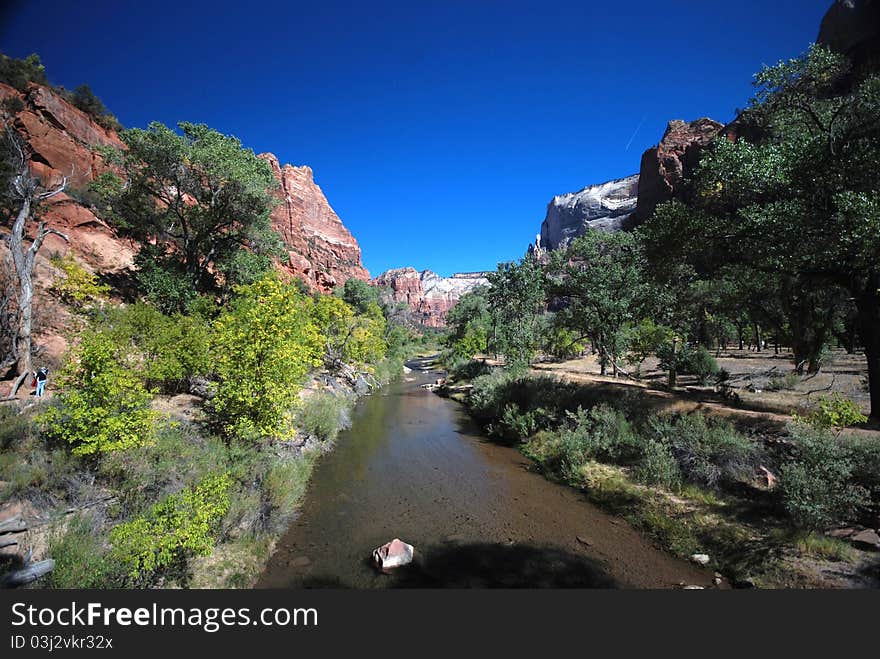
[490,565]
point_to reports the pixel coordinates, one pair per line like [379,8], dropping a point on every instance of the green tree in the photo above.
[469,324]
[103,404]
[264,345]
[19,72]
[201,200]
[600,274]
[182,525]
[797,193]
[349,337]
[359,294]
[516,301]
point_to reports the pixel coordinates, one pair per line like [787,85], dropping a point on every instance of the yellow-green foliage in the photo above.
[172,347]
[103,404]
[561,342]
[183,524]
[350,338]
[264,346]
[834,411]
[78,286]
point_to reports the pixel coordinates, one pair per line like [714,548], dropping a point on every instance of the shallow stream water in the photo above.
[414,466]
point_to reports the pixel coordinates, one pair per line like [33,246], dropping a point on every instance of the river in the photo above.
[414,466]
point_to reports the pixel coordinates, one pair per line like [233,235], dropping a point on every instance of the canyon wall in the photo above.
[320,250]
[605,206]
[428,295]
[62,142]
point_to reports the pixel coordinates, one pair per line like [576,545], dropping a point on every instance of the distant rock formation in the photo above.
[320,250]
[604,206]
[428,295]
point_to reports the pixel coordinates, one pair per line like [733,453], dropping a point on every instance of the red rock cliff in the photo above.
[321,251]
[62,141]
[428,295]
[664,166]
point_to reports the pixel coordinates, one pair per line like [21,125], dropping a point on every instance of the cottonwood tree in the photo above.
[516,301]
[600,274]
[22,195]
[797,194]
[199,204]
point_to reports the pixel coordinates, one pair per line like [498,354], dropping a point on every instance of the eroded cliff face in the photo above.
[665,166]
[428,295]
[62,142]
[606,206]
[625,203]
[320,250]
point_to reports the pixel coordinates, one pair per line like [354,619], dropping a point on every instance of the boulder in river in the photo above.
[393,554]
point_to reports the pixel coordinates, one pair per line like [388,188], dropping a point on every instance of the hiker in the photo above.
[41,376]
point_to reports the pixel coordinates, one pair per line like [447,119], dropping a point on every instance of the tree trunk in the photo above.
[23,263]
[868,304]
[757,338]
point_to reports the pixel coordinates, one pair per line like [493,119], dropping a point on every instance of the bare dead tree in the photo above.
[24,192]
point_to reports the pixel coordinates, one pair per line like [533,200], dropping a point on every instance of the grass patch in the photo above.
[80,557]
[285,485]
[825,547]
[234,564]
[323,415]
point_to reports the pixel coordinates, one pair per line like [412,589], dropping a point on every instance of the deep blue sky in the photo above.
[438,132]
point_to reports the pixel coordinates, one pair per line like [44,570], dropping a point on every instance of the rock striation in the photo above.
[320,250]
[606,206]
[428,295]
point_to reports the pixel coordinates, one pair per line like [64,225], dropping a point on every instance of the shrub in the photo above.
[488,396]
[817,485]
[389,369]
[285,484]
[545,448]
[80,557]
[103,404]
[79,286]
[785,382]
[264,346]
[708,451]
[600,433]
[19,72]
[323,415]
[658,466]
[834,411]
[516,424]
[688,360]
[699,362]
[180,526]
[180,456]
[467,369]
[173,348]
[864,453]
[84,98]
